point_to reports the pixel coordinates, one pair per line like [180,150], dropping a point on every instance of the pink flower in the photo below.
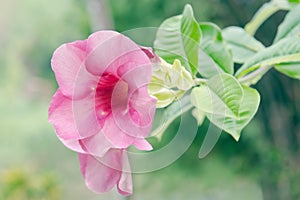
[101,174]
[102,105]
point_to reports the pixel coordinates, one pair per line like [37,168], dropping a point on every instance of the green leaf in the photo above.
[264,13]
[294,1]
[179,38]
[213,45]
[199,116]
[290,69]
[226,103]
[290,26]
[220,96]
[242,44]
[285,51]
[191,37]
[248,108]
[164,117]
[207,66]
[168,42]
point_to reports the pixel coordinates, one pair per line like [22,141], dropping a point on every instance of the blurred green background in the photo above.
[265,164]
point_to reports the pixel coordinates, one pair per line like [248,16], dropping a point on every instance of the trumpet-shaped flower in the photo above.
[102,105]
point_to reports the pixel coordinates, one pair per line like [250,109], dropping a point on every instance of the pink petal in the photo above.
[144,105]
[142,144]
[85,117]
[119,138]
[74,145]
[97,38]
[136,120]
[60,115]
[98,177]
[150,53]
[125,183]
[136,76]
[67,64]
[64,123]
[115,135]
[108,55]
[73,120]
[96,145]
[101,174]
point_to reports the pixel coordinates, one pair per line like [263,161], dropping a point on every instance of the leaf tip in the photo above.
[188,9]
[236,136]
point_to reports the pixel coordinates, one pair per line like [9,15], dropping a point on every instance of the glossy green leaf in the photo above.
[294,1]
[290,26]
[221,95]
[179,38]
[207,66]
[215,48]
[191,37]
[290,69]
[247,109]
[285,51]
[264,13]
[168,42]
[242,44]
[226,103]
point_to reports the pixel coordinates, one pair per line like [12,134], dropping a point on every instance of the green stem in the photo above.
[247,79]
[256,74]
[199,81]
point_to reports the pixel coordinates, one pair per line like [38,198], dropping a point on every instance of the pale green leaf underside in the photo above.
[168,44]
[290,69]
[212,45]
[285,51]
[248,108]
[264,13]
[290,26]
[191,37]
[179,38]
[207,67]
[221,95]
[242,44]
[226,103]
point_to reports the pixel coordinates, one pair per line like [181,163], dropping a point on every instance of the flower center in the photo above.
[111,93]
